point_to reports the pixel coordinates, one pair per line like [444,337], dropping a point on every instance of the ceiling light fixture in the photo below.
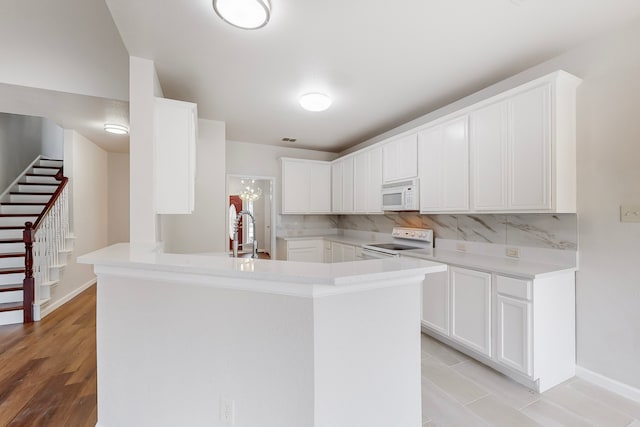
[116,128]
[315,101]
[245,14]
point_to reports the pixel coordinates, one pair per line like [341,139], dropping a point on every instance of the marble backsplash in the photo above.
[300,225]
[551,231]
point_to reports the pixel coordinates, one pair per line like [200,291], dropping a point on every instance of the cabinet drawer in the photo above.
[517,288]
[302,244]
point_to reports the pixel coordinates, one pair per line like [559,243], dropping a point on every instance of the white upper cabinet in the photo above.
[399,158]
[342,185]
[443,159]
[175,134]
[306,186]
[523,153]
[368,181]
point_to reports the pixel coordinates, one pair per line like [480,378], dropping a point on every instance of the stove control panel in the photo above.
[421,234]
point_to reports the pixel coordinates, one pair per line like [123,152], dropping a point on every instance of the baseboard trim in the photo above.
[50,308]
[609,384]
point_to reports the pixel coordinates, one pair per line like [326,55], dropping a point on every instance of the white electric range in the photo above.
[404,238]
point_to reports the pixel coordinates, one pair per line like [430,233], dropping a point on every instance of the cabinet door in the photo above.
[303,255]
[471,309]
[488,141]
[399,158]
[347,185]
[319,190]
[337,252]
[435,302]
[455,161]
[348,253]
[530,149]
[443,159]
[361,182]
[514,333]
[374,185]
[336,187]
[175,134]
[295,186]
[430,168]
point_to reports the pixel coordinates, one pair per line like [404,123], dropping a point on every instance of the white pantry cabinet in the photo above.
[523,148]
[522,327]
[399,158]
[175,134]
[342,181]
[306,186]
[368,181]
[443,165]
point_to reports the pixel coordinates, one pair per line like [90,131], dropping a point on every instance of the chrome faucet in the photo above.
[254,252]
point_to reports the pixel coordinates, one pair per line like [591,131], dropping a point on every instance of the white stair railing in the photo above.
[45,242]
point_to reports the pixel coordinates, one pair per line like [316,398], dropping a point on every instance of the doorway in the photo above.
[253,194]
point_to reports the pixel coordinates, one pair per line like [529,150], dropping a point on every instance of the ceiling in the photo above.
[384,63]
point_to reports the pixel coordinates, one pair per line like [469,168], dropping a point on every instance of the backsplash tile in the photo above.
[556,231]
[287,225]
[552,231]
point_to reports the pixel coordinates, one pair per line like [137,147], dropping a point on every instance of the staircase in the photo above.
[31,199]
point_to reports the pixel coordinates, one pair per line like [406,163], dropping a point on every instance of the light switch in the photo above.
[630,213]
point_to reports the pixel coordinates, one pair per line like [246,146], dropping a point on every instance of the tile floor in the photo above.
[460,392]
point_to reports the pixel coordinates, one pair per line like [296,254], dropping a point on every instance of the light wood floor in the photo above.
[48,378]
[48,368]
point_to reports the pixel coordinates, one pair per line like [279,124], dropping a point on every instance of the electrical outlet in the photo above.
[462,247]
[629,213]
[227,412]
[513,252]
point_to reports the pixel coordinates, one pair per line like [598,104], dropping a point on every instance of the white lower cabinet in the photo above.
[524,328]
[435,302]
[513,344]
[471,309]
[305,250]
[341,252]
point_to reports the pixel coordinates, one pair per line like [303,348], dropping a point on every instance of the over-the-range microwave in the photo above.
[401,196]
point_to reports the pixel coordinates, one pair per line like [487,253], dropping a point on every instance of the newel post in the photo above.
[28,285]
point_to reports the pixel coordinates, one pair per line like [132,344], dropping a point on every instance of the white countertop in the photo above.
[515,267]
[283,277]
[511,266]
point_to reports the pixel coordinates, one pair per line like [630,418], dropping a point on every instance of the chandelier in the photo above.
[249,193]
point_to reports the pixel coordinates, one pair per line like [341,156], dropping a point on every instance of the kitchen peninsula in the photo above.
[200,340]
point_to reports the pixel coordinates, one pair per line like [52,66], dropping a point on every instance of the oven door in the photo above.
[371,254]
[393,199]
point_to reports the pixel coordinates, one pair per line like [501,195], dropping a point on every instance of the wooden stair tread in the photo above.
[23,204]
[18,215]
[37,183]
[10,306]
[29,193]
[10,288]
[13,255]
[11,270]
[46,167]
[11,227]
[11,240]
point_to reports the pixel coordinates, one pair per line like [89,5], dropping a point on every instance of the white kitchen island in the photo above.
[184,339]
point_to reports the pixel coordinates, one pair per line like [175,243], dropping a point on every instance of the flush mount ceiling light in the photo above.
[315,101]
[245,14]
[116,128]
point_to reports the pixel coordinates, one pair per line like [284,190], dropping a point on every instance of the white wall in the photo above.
[52,140]
[86,167]
[118,198]
[20,144]
[204,229]
[63,45]
[144,86]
